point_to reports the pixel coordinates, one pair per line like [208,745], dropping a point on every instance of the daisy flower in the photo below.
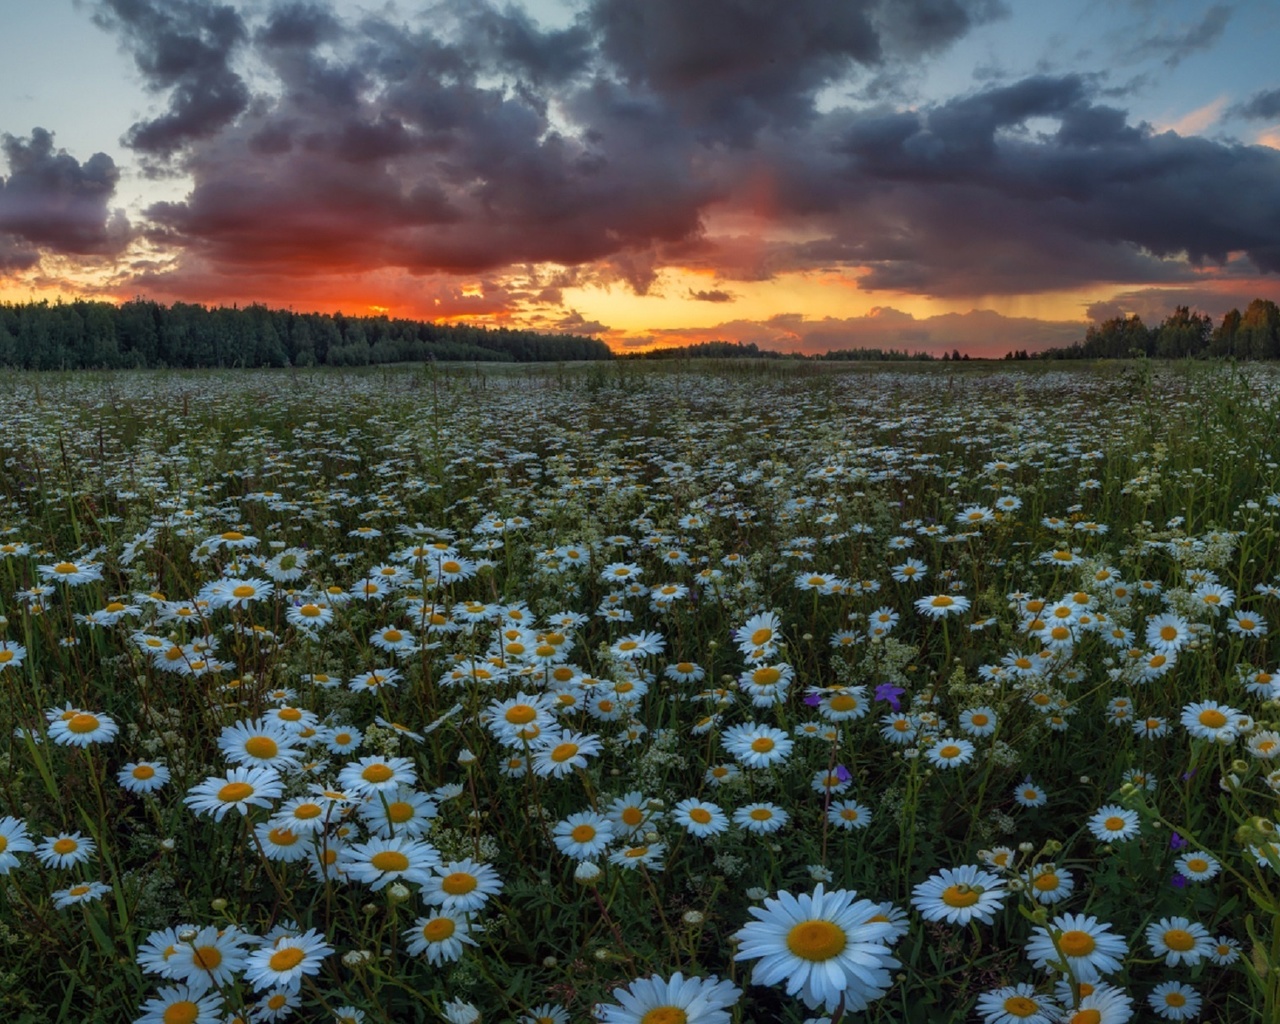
[1174,1000]
[960,895]
[64,850]
[1210,720]
[939,606]
[631,812]
[557,754]
[1226,950]
[284,963]
[1197,866]
[1113,824]
[949,752]
[1028,794]
[241,788]
[760,632]
[142,776]
[82,728]
[371,775]
[13,840]
[380,862]
[1017,1004]
[546,1013]
[83,892]
[824,946]
[675,999]
[191,1004]
[632,857]
[440,937]
[261,741]
[1179,940]
[583,836]
[1049,883]
[464,886]
[757,746]
[761,818]
[848,815]
[1085,946]
[404,812]
[699,817]
[978,721]
[212,957]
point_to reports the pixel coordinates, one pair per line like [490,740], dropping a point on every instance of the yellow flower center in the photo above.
[960,896]
[233,792]
[1088,1016]
[762,744]
[632,816]
[1020,1006]
[243,591]
[438,929]
[282,837]
[459,883]
[263,747]
[65,568]
[701,815]
[761,636]
[1114,824]
[399,811]
[816,940]
[376,773]
[389,860]
[1198,864]
[979,720]
[665,1015]
[520,714]
[289,714]
[1046,881]
[1179,940]
[83,723]
[207,957]
[583,833]
[949,751]
[182,1012]
[305,812]
[766,676]
[233,535]
[941,601]
[1077,943]
[286,959]
[1212,718]
[393,636]
[563,752]
[760,814]
[65,846]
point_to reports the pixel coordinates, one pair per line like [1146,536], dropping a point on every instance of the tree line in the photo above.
[142,334]
[1253,334]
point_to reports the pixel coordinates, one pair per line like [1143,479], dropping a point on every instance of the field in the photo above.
[657,694]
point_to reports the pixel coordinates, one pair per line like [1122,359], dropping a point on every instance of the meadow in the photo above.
[662,694]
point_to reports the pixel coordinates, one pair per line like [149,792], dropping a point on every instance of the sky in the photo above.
[803,174]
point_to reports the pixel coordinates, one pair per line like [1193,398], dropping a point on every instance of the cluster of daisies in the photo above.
[340,633]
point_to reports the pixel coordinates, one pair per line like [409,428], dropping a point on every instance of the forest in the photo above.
[143,334]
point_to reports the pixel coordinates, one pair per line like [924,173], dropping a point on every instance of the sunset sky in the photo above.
[805,174]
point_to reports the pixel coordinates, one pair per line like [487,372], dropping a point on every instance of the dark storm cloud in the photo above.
[1175,46]
[1261,106]
[711,295]
[184,47]
[51,201]
[475,141]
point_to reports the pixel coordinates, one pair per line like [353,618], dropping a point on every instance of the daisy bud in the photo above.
[549,961]
[466,758]
[187,934]
[356,957]
[651,837]
[167,845]
[370,909]
[756,893]
[601,954]
[219,905]
[587,872]
[693,918]
[1229,784]
[1239,767]
[398,892]
[1026,847]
